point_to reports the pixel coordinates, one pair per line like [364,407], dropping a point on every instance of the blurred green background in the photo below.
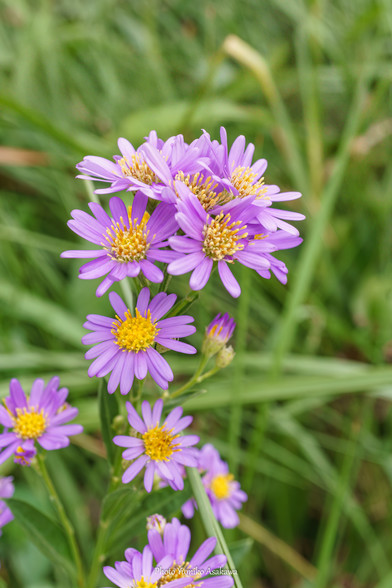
[303,414]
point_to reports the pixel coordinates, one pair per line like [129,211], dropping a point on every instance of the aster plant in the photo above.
[179,209]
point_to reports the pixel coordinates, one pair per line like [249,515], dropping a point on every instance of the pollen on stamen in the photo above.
[137,168]
[205,190]
[135,333]
[128,244]
[221,485]
[222,238]
[160,444]
[177,571]
[29,423]
[244,180]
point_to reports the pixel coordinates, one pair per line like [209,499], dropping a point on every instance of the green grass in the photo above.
[307,81]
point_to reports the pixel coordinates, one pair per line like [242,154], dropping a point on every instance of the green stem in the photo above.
[165,282]
[127,293]
[68,528]
[90,191]
[210,523]
[195,379]
[99,555]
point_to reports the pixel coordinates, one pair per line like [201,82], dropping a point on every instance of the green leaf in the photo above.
[45,533]
[240,549]
[108,410]
[119,500]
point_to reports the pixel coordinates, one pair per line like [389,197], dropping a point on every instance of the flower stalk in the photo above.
[67,525]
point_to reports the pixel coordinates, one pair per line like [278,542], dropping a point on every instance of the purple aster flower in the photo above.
[218,334]
[224,492]
[150,168]
[159,448]
[124,346]
[138,571]
[6,491]
[130,241]
[40,417]
[128,171]
[175,542]
[236,177]
[222,239]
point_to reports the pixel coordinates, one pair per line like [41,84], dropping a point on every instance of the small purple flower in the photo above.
[40,417]
[237,177]
[124,346]
[138,571]
[128,171]
[224,492]
[150,168]
[6,491]
[130,241]
[159,448]
[218,333]
[175,542]
[222,239]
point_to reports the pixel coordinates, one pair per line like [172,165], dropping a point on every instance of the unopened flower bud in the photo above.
[156,522]
[217,334]
[225,357]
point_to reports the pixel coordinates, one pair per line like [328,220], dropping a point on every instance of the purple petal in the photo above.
[229,281]
[185,264]
[134,469]
[134,419]
[118,305]
[203,552]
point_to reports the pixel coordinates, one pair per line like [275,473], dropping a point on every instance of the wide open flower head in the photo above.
[138,571]
[128,171]
[222,239]
[130,241]
[159,448]
[6,491]
[41,416]
[224,492]
[232,169]
[150,168]
[175,542]
[124,345]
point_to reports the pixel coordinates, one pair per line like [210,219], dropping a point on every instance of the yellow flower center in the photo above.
[221,237]
[137,168]
[135,333]
[131,244]
[177,572]
[143,584]
[204,189]
[159,444]
[221,486]
[243,179]
[29,423]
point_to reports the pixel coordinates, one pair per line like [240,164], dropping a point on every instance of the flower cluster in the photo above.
[196,207]
[41,417]
[224,492]
[169,548]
